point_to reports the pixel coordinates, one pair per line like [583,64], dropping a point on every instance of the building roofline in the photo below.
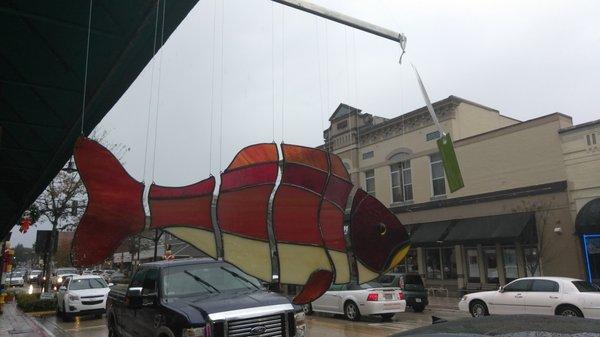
[579,126]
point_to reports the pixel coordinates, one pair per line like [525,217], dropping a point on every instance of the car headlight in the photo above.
[197,332]
[300,320]
[464,298]
[73,298]
[60,280]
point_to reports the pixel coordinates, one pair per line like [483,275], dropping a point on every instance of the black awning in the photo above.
[588,218]
[429,233]
[492,229]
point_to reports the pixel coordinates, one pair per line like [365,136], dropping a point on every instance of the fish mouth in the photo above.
[399,253]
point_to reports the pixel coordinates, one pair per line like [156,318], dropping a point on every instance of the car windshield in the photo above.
[386,279]
[88,283]
[586,287]
[186,280]
[17,274]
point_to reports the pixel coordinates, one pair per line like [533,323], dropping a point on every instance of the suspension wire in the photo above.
[319,71]
[347,62]
[87,57]
[282,72]
[273,66]
[212,85]
[355,68]
[327,82]
[162,40]
[151,90]
[221,89]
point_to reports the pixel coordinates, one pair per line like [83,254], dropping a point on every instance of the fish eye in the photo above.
[382,229]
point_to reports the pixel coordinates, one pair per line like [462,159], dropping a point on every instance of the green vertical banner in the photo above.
[453,175]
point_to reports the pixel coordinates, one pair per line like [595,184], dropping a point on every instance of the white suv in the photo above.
[82,295]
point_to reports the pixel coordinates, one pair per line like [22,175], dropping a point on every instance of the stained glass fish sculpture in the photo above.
[295,220]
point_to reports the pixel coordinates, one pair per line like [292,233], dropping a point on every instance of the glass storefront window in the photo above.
[532,261]
[473,265]
[491,264]
[410,263]
[432,258]
[509,256]
[592,257]
[448,263]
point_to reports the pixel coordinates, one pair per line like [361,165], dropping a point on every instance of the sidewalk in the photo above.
[13,322]
[440,302]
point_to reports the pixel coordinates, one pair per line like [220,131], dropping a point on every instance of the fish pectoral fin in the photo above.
[318,283]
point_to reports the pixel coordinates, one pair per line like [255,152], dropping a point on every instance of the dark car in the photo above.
[412,286]
[199,297]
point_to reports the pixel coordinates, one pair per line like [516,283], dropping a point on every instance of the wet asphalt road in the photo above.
[318,325]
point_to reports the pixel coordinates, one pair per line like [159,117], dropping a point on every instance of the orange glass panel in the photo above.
[244,212]
[305,155]
[114,211]
[295,216]
[338,168]
[254,154]
[249,176]
[317,285]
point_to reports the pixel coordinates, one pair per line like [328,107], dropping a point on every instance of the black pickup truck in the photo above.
[199,297]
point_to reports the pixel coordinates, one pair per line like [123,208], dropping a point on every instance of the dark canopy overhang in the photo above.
[42,61]
[588,218]
[429,233]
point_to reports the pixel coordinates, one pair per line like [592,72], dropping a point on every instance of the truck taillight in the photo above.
[401,296]
[373,297]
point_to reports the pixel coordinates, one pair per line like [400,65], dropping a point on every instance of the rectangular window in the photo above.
[473,265]
[448,263]
[532,262]
[589,139]
[370,182]
[342,125]
[432,257]
[491,264]
[438,180]
[432,135]
[401,182]
[509,256]
[593,139]
[367,155]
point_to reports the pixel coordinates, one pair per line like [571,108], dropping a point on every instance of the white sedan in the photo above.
[353,300]
[82,295]
[537,296]
[14,279]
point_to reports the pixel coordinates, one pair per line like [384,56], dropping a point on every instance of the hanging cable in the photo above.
[319,69]
[151,90]
[356,96]
[221,89]
[282,72]
[347,63]
[273,66]
[87,56]
[212,85]
[162,41]
[327,83]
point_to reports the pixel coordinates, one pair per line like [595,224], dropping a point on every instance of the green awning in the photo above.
[429,233]
[493,229]
[41,81]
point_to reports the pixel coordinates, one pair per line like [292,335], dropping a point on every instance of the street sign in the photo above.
[46,296]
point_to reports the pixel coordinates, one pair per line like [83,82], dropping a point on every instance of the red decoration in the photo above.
[24,224]
[306,212]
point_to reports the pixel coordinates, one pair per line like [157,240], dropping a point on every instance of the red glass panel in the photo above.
[305,155]
[376,233]
[114,211]
[332,225]
[304,176]
[337,191]
[254,154]
[249,176]
[338,168]
[317,285]
[244,212]
[295,216]
[203,187]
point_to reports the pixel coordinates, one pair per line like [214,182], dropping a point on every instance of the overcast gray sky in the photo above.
[524,58]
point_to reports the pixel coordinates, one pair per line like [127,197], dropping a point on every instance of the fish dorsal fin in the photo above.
[254,154]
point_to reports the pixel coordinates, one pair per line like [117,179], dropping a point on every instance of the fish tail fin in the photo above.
[114,210]
[318,283]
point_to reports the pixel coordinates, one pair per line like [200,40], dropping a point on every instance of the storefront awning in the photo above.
[588,218]
[429,233]
[494,229]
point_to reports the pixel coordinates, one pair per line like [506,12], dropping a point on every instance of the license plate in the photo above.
[389,296]
[418,300]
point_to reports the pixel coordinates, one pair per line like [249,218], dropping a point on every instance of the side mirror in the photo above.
[62,288]
[501,289]
[110,285]
[133,298]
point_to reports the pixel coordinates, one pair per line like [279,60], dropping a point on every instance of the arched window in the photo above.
[401,175]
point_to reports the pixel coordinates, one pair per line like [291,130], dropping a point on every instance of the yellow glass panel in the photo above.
[251,256]
[342,269]
[297,262]
[199,238]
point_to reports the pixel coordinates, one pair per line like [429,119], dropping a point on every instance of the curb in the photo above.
[41,313]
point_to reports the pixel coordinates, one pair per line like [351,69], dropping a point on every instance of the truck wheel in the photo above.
[112,328]
[351,311]
[418,308]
